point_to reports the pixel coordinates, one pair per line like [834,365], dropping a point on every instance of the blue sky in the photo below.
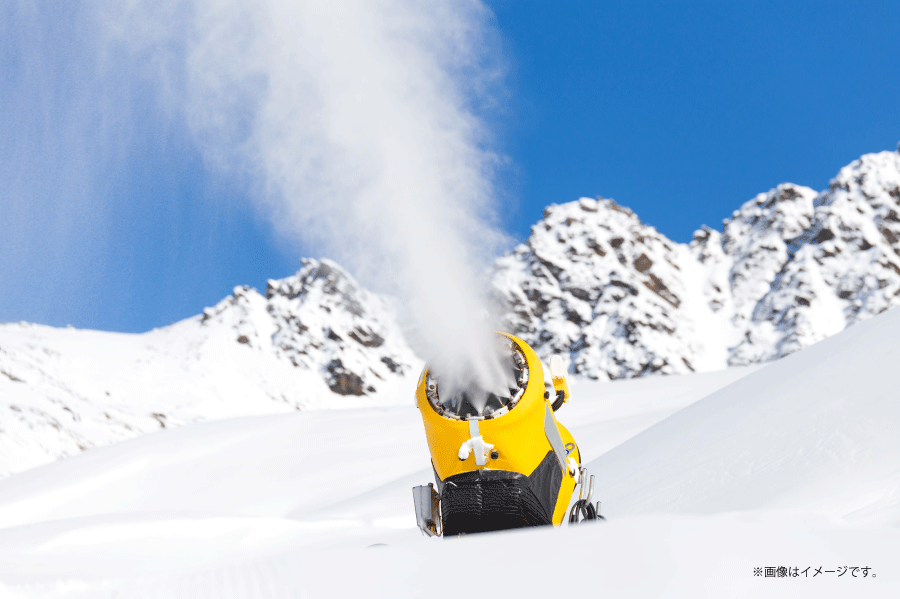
[684,110]
[680,110]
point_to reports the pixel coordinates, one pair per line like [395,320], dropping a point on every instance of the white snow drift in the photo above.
[794,465]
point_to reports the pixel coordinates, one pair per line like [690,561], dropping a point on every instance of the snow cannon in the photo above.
[501,460]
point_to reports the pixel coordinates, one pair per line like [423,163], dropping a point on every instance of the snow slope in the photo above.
[185,499]
[793,465]
[816,432]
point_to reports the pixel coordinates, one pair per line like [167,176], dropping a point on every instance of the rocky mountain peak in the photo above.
[872,176]
[325,280]
[322,319]
[596,285]
[844,267]
[789,267]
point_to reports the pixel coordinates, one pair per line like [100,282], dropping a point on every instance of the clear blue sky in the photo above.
[680,110]
[684,110]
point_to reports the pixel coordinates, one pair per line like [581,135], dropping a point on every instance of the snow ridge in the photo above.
[316,340]
[597,285]
[790,268]
[321,319]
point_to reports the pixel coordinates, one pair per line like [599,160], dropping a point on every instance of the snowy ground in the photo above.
[795,464]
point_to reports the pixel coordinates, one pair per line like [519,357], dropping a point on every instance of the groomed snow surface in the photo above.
[703,478]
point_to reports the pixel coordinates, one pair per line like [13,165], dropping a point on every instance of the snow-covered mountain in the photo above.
[315,340]
[790,268]
[612,295]
[321,320]
[842,268]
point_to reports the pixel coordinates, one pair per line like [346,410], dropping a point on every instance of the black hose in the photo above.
[582,508]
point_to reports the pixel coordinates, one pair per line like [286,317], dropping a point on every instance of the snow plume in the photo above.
[357,123]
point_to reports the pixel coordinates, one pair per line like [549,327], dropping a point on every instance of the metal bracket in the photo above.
[587,484]
[428,509]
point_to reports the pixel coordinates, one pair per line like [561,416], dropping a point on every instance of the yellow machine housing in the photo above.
[526,456]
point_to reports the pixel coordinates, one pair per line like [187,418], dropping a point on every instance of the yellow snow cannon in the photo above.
[500,458]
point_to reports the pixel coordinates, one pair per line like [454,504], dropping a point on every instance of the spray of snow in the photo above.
[357,125]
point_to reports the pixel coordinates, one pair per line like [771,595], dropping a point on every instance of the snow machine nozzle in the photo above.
[501,459]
